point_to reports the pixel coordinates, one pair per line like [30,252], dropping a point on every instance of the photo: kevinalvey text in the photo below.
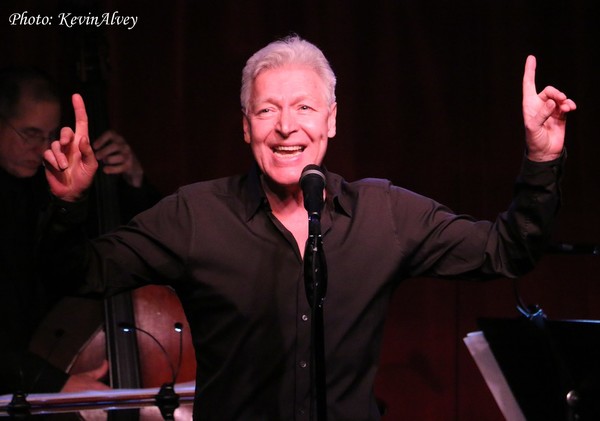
[71,20]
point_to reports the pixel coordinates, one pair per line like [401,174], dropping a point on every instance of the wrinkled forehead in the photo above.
[300,79]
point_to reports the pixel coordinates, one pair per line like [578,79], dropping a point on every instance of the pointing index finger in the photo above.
[529,77]
[81,119]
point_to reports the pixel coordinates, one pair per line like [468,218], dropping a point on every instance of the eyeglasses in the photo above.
[32,136]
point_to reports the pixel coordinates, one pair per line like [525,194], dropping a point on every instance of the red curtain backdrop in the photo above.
[428,96]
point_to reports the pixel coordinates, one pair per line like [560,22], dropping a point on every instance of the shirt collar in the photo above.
[338,199]
[255,195]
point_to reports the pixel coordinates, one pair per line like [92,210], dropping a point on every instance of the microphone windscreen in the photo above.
[311,171]
[312,182]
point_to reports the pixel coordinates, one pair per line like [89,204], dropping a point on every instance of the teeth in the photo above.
[288,148]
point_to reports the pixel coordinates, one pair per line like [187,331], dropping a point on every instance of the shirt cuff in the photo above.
[69,212]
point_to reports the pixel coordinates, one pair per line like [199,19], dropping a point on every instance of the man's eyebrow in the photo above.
[33,129]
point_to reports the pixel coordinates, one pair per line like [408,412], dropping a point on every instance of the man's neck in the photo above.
[283,199]
[287,206]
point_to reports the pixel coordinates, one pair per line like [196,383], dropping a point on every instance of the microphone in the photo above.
[312,181]
[166,399]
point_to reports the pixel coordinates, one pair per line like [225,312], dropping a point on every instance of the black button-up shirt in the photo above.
[239,275]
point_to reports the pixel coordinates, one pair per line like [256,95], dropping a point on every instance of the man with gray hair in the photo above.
[233,248]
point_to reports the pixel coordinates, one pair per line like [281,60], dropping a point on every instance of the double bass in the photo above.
[143,333]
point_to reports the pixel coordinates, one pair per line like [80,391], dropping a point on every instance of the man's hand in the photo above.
[117,157]
[544,115]
[70,163]
[88,380]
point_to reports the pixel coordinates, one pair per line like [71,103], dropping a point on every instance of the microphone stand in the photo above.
[315,283]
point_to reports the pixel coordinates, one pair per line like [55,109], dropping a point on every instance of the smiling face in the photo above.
[288,123]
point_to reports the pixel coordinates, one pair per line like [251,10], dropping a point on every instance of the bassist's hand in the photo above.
[89,380]
[70,162]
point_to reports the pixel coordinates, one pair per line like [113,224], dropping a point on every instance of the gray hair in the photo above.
[289,50]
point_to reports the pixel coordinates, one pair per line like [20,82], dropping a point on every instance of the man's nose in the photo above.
[286,124]
[41,145]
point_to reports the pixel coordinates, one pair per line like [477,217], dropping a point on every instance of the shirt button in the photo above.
[304,318]
[303,364]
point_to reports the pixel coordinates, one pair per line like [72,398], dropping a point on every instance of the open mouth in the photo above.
[288,150]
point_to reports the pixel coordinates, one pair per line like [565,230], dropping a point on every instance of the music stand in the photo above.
[551,367]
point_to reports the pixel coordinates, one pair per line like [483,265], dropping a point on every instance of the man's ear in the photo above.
[246,127]
[331,120]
